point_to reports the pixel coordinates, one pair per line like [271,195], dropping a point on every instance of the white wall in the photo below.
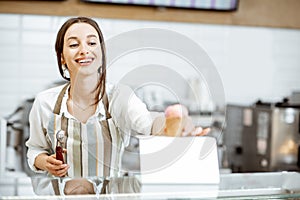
[253,62]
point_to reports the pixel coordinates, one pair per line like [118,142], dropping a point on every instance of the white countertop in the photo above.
[281,185]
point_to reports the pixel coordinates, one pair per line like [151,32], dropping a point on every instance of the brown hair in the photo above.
[60,43]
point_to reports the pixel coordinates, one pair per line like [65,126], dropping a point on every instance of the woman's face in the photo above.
[82,50]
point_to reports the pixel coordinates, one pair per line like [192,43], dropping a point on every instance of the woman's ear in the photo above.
[62,59]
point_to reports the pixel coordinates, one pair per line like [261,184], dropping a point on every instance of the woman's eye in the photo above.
[73,45]
[92,43]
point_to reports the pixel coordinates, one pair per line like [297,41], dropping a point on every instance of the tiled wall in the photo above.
[253,62]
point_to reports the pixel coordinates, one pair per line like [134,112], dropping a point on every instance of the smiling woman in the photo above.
[81,56]
[96,118]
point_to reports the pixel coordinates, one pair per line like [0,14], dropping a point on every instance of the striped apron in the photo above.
[94,148]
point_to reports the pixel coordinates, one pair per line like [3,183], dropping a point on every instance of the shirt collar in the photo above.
[99,113]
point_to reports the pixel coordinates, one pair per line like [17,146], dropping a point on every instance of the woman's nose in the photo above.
[84,49]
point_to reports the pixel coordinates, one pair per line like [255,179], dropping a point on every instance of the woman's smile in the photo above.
[85,61]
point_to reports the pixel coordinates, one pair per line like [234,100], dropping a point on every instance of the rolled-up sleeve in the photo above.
[37,142]
[129,112]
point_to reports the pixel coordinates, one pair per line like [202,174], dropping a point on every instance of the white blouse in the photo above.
[129,115]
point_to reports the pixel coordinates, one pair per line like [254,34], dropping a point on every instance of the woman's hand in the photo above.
[56,167]
[51,164]
[176,122]
[194,131]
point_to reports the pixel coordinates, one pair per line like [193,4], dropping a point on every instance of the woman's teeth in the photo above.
[85,61]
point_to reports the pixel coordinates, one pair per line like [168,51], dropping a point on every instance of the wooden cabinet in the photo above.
[268,13]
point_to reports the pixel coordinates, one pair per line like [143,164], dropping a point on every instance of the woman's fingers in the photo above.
[52,159]
[56,167]
[203,132]
[196,131]
[199,131]
[62,171]
[58,170]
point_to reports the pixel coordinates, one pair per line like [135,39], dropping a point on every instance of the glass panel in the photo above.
[283,185]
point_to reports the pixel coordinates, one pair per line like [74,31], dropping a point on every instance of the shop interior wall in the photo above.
[253,62]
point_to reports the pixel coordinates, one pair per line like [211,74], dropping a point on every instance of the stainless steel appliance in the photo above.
[285,138]
[263,137]
[232,136]
[14,133]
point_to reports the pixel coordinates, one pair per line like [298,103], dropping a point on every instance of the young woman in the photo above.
[89,118]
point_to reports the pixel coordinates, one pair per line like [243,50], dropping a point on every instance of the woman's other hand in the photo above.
[176,122]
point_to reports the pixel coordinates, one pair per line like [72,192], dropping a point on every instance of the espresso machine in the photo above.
[285,137]
[263,137]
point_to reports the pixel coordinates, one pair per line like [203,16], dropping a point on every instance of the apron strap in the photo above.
[57,106]
[104,187]
[107,143]
[55,186]
[106,106]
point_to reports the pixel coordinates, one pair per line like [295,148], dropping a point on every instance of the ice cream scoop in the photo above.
[59,150]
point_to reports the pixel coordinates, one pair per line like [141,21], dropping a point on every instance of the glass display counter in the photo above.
[271,185]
